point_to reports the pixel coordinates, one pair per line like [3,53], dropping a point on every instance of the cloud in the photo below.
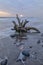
[3,13]
[25,7]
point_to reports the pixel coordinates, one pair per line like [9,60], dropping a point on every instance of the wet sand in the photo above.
[11,50]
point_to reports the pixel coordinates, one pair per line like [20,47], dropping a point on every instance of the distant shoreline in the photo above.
[21,17]
[7,17]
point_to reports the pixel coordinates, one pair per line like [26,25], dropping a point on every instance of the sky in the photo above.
[30,8]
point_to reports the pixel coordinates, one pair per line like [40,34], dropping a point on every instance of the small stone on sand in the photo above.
[42,45]
[26,53]
[30,47]
[4,61]
[38,42]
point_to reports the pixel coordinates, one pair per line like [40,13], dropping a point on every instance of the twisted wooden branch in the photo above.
[25,23]
[32,28]
[18,19]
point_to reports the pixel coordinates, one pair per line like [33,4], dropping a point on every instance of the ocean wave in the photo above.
[5,33]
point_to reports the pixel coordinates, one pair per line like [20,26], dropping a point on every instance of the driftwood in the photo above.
[32,28]
[22,26]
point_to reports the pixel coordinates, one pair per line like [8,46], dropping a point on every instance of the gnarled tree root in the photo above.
[32,28]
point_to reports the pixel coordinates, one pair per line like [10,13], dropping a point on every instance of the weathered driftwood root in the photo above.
[32,28]
[24,24]
[20,27]
[18,19]
[25,29]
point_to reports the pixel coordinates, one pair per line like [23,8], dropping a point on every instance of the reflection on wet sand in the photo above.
[31,42]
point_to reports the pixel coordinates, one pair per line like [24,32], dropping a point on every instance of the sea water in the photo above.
[6,24]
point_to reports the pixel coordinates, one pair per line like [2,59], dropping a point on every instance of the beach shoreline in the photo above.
[9,49]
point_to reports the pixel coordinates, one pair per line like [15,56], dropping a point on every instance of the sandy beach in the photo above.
[11,50]
[21,32]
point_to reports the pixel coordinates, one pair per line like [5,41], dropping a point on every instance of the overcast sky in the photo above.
[30,8]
